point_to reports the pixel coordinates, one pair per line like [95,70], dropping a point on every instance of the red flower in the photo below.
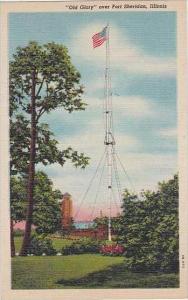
[112,249]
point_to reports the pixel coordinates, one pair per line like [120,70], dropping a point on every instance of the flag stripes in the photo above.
[99,38]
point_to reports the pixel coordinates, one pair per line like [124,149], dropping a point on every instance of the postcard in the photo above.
[94,150]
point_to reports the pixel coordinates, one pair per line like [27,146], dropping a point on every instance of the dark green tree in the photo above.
[42,79]
[103,221]
[46,209]
[100,221]
[46,213]
[149,228]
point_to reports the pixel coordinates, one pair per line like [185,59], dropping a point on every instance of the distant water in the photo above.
[83,224]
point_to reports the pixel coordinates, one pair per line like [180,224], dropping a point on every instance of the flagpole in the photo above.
[108,133]
[98,39]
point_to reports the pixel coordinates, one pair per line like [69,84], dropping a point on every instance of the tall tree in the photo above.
[42,78]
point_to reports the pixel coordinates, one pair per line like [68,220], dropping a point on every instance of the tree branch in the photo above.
[38,92]
[47,89]
[40,113]
[24,107]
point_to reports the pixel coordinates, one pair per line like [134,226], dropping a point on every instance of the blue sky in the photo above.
[143,72]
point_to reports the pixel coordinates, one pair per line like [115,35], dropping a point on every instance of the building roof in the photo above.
[66,194]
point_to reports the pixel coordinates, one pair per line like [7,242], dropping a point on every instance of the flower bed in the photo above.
[112,249]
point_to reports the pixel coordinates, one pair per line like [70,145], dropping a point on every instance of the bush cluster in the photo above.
[84,245]
[18,232]
[149,229]
[40,245]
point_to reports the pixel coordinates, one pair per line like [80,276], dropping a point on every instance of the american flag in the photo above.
[99,38]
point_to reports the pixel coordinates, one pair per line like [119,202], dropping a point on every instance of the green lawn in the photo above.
[82,271]
[58,243]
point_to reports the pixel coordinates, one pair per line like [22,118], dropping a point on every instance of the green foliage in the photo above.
[84,245]
[46,214]
[56,86]
[19,144]
[18,232]
[149,229]
[17,198]
[100,221]
[103,221]
[57,80]
[47,150]
[41,245]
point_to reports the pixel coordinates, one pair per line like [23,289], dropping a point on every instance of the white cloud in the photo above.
[168,133]
[127,142]
[145,170]
[94,85]
[124,54]
[131,106]
[134,106]
[91,140]
[148,161]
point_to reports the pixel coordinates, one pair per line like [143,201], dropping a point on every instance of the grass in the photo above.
[47,272]
[58,243]
[82,271]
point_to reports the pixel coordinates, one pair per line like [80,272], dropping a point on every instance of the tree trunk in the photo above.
[30,188]
[12,239]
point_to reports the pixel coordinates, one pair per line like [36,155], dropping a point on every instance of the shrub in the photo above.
[84,245]
[149,228]
[153,263]
[112,250]
[18,232]
[40,245]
